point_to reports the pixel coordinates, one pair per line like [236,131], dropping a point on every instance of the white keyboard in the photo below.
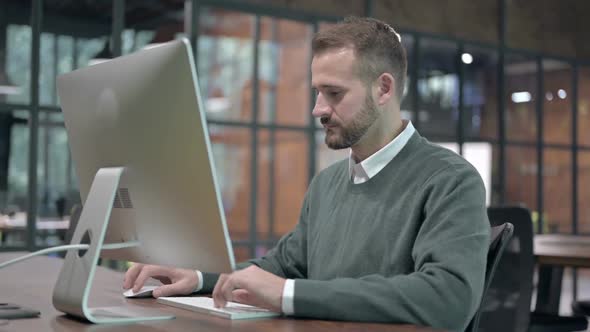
[205,305]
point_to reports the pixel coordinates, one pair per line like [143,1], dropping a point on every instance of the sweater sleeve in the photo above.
[288,259]
[449,257]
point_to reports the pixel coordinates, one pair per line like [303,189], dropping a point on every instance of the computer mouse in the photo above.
[145,291]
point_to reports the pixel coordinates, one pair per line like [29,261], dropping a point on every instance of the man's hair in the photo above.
[376,46]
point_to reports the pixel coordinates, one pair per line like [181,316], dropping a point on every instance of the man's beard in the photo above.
[352,132]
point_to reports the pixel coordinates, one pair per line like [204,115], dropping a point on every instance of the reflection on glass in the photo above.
[16,72]
[284,52]
[231,153]
[521,176]
[57,51]
[225,63]
[48,69]
[557,190]
[583,122]
[55,172]
[14,138]
[557,106]
[438,86]
[56,193]
[520,97]
[65,57]
[480,109]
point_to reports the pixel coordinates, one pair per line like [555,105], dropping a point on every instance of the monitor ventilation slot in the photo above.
[117,202]
[123,199]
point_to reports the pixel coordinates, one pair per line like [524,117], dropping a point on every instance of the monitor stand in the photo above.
[71,291]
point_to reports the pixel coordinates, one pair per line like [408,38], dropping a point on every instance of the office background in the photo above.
[511,77]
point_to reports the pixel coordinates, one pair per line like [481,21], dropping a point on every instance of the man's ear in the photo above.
[385,88]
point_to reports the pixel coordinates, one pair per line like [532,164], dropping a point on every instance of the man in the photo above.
[397,233]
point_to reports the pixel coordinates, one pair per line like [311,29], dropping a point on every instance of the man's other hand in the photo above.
[176,281]
[252,286]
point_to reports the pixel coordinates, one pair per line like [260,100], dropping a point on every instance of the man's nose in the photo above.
[321,108]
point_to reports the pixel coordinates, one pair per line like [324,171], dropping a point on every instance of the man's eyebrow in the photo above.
[327,86]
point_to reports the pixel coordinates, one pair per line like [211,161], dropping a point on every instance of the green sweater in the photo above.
[407,246]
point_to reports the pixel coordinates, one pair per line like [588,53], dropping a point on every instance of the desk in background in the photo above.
[12,226]
[30,283]
[553,252]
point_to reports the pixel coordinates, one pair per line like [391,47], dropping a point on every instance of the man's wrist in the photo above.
[199,282]
[287,301]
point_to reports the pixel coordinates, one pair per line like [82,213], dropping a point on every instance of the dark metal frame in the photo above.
[575,167]
[273,138]
[252,234]
[460,119]
[36,19]
[540,140]
[501,81]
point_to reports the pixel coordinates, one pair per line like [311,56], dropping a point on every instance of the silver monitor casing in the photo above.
[138,137]
[144,112]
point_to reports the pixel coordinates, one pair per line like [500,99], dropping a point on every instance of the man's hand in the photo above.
[176,281]
[252,286]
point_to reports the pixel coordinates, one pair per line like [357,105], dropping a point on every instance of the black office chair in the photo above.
[508,301]
[500,236]
[581,307]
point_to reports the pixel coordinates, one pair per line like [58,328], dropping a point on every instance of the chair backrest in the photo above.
[500,236]
[507,303]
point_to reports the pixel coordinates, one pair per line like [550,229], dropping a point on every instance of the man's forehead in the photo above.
[342,55]
[333,64]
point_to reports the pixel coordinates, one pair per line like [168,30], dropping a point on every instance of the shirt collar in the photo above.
[377,161]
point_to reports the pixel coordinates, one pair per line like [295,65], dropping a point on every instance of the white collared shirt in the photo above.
[359,173]
[369,167]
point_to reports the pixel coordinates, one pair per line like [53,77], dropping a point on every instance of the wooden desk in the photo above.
[554,252]
[563,250]
[30,283]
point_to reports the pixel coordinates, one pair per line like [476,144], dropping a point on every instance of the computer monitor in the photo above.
[139,141]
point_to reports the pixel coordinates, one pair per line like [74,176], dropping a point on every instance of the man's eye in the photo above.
[334,94]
